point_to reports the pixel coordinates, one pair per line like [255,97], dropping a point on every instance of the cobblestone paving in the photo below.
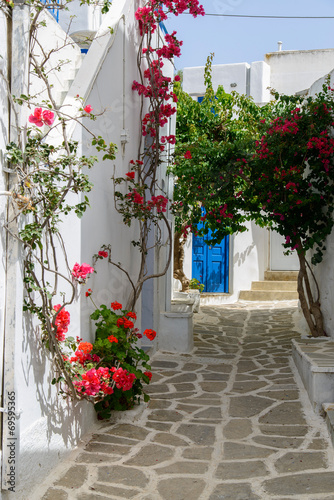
[230,421]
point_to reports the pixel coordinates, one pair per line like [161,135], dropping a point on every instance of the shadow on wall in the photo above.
[240,257]
[63,419]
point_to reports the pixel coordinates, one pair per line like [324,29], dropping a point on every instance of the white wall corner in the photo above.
[260,81]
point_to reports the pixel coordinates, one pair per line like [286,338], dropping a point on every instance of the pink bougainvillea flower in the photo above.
[88,108]
[123,379]
[85,347]
[150,334]
[37,118]
[80,272]
[187,155]
[177,78]
[62,321]
[130,175]
[112,339]
[48,117]
[103,253]
[115,306]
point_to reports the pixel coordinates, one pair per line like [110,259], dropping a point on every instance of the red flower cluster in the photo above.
[62,321]
[39,118]
[112,339]
[123,379]
[103,253]
[85,347]
[158,202]
[116,305]
[124,322]
[150,334]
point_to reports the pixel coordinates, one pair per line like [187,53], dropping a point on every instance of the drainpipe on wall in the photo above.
[18,51]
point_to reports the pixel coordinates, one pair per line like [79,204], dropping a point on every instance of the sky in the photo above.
[235,40]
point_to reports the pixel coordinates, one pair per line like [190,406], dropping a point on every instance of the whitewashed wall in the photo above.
[50,427]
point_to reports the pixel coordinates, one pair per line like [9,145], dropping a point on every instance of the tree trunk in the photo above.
[179,242]
[311,308]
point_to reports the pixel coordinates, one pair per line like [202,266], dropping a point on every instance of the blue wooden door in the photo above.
[210,264]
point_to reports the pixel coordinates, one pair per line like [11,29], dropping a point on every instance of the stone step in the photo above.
[265,295]
[281,275]
[290,286]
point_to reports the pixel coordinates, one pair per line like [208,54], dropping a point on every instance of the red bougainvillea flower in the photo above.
[150,334]
[62,321]
[85,347]
[112,339]
[187,155]
[89,292]
[81,272]
[116,305]
[132,315]
[39,118]
[103,253]
[148,374]
[88,108]
[130,175]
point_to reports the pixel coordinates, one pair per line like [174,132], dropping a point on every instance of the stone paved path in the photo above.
[230,421]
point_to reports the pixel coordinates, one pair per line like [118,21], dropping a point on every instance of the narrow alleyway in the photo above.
[229,422]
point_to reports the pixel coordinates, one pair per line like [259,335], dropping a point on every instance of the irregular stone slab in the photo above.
[213,386]
[187,408]
[278,442]
[281,395]
[176,395]
[284,430]
[285,413]
[191,367]
[243,387]
[215,376]
[158,404]
[204,400]
[301,484]
[210,413]
[109,438]
[170,439]
[96,458]
[151,454]
[241,470]
[239,491]
[115,491]
[165,416]
[74,477]
[157,389]
[221,368]
[199,434]
[248,406]
[301,461]
[184,387]
[198,453]
[128,430]
[237,451]
[318,444]
[238,429]
[181,488]
[119,474]
[159,426]
[55,494]
[163,364]
[113,449]
[184,377]
[183,468]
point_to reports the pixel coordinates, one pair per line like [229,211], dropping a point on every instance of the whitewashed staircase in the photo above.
[277,285]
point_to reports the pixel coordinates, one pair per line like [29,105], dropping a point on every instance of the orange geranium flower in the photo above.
[85,347]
